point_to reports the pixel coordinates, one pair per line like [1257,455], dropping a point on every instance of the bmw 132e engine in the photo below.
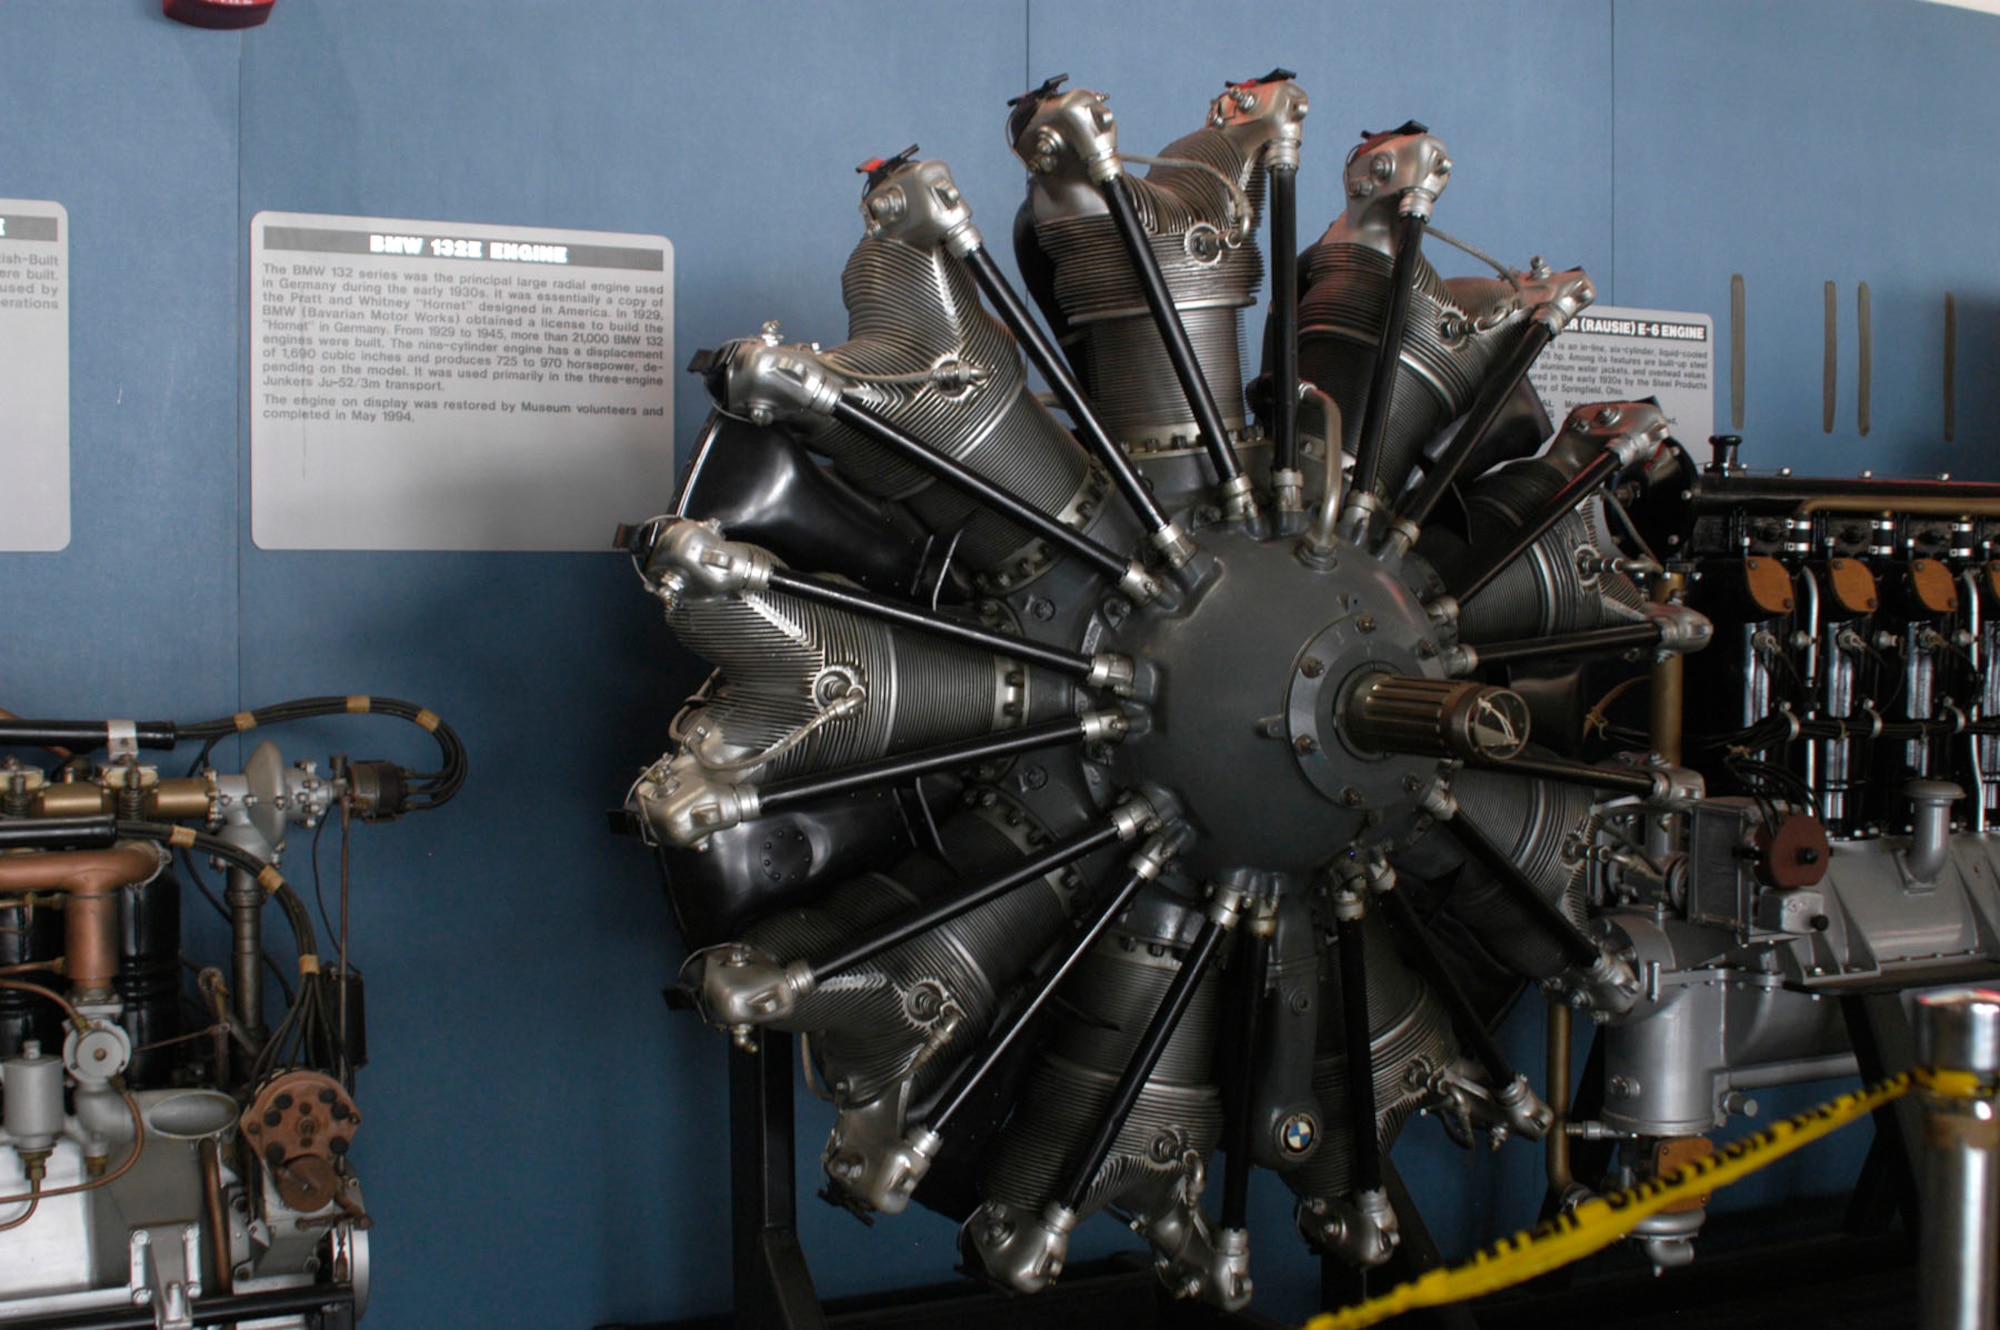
[1175,763]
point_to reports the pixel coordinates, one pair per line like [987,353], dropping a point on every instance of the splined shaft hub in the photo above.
[1398,713]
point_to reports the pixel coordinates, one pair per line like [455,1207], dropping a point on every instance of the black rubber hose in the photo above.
[1173,333]
[236,856]
[83,736]
[1146,1056]
[430,789]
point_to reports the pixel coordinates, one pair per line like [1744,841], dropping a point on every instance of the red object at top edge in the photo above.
[218,13]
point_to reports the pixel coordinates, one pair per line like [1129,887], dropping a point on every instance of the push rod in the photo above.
[1369,444]
[1254,958]
[1167,318]
[871,943]
[966,480]
[1465,1019]
[779,795]
[973,1073]
[1478,423]
[1577,773]
[1360,1042]
[1615,638]
[1145,1057]
[892,611]
[1285,314]
[1538,523]
[1546,915]
[1047,358]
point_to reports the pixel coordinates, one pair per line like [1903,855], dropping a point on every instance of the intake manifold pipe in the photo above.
[90,879]
[1930,827]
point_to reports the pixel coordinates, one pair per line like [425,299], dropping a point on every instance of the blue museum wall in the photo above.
[545,1143]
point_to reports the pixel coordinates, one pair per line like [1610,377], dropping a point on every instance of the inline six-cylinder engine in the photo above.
[1174,762]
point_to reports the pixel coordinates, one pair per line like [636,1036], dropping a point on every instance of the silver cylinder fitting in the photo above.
[1930,827]
[1957,1281]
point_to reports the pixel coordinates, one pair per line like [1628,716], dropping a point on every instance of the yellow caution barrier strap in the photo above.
[1602,1220]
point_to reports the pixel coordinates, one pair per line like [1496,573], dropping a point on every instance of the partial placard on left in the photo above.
[34,375]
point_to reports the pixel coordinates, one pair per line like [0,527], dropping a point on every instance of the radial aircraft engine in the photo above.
[1101,778]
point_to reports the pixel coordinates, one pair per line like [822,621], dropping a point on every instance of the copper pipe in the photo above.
[1556,1094]
[90,923]
[219,1270]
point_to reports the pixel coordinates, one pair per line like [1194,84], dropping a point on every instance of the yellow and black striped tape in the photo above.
[1602,1220]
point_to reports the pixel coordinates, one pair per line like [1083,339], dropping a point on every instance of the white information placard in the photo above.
[455,386]
[1612,354]
[34,375]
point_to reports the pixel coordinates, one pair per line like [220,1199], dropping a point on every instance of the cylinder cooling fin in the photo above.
[1202,808]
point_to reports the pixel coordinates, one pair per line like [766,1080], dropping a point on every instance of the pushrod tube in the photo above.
[1388,355]
[1576,773]
[1146,1056]
[801,789]
[973,1072]
[1285,313]
[1167,318]
[968,481]
[1576,948]
[1617,637]
[873,942]
[1254,959]
[1478,423]
[880,607]
[1538,523]
[1367,1174]
[1465,1019]
[1049,360]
